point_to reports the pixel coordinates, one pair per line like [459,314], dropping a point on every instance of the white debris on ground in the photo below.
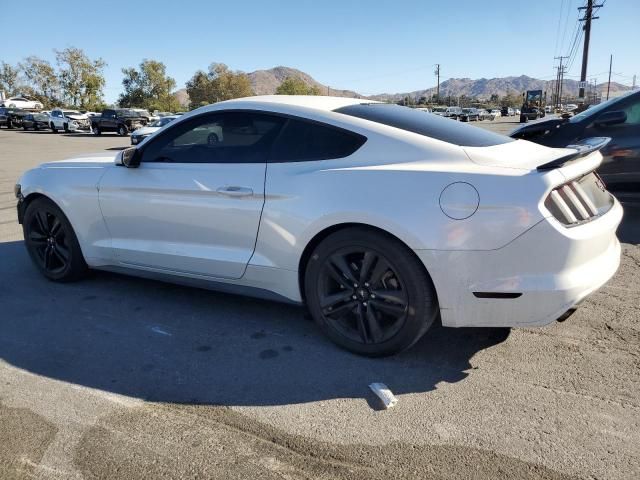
[383,392]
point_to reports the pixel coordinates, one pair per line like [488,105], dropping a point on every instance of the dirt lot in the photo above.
[116,377]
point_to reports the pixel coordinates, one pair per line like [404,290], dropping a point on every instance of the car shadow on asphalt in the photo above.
[166,343]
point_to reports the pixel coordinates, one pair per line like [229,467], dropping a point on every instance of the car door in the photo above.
[621,164]
[193,206]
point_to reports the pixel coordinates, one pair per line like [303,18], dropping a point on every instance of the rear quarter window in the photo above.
[426,124]
[302,141]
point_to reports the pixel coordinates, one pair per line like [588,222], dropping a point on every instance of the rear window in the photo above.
[429,125]
[307,141]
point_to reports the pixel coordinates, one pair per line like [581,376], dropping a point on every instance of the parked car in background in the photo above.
[496,113]
[440,111]
[141,133]
[469,115]
[484,114]
[618,119]
[507,112]
[68,120]
[119,120]
[145,113]
[36,121]
[22,101]
[453,112]
[271,196]
[11,117]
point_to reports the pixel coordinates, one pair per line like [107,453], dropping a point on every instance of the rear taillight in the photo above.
[579,201]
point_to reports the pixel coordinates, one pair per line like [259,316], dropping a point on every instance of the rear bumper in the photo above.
[551,267]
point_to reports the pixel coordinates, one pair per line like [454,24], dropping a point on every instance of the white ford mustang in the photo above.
[380,218]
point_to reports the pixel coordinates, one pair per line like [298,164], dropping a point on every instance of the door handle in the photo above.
[235,191]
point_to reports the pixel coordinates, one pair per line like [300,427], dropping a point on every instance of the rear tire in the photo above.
[66,128]
[122,131]
[53,128]
[96,130]
[369,293]
[51,242]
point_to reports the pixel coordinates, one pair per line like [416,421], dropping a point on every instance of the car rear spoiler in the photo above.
[583,148]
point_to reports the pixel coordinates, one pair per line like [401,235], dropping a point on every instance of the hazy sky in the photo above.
[368,46]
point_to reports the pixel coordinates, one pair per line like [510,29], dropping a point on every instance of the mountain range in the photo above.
[265,82]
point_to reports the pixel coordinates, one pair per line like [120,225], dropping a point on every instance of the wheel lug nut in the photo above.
[355,285]
[364,304]
[373,295]
[354,297]
[366,284]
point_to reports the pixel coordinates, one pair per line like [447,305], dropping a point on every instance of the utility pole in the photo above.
[633,87]
[561,70]
[437,73]
[588,16]
[609,82]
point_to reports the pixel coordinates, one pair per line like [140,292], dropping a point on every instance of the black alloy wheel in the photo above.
[51,242]
[362,296]
[369,293]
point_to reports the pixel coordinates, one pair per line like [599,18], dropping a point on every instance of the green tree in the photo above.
[81,78]
[218,84]
[9,79]
[42,80]
[511,100]
[296,86]
[149,87]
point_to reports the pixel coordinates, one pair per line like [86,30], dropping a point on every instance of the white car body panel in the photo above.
[177,219]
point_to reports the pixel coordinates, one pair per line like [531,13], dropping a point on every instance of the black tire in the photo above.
[36,127]
[24,127]
[96,130]
[386,314]
[523,119]
[52,243]
[9,124]
[122,130]
[65,126]
[53,128]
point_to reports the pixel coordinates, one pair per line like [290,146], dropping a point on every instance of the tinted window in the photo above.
[307,141]
[428,125]
[231,137]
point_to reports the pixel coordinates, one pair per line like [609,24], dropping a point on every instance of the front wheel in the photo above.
[122,130]
[51,242]
[53,128]
[369,293]
[96,130]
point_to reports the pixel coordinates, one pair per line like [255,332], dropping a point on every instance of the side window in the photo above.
[307,141]
[226,137]
[633,113]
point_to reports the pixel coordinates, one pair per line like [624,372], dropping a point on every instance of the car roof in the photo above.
[317,102]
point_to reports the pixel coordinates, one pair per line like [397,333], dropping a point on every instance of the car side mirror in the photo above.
[129,157]
[611,118]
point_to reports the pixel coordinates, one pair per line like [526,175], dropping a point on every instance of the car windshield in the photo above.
[142,113]
[71,112]
[594,110]
[161,122]
[41,117]
[432,126]
[127,113]
[439,109]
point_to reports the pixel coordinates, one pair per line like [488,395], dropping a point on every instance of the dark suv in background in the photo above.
[120,120]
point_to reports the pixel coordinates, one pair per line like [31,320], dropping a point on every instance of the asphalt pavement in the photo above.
[118,377]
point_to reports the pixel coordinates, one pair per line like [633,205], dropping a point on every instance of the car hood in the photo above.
[79,116]
[520,154]
[145,130]
[91,160]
